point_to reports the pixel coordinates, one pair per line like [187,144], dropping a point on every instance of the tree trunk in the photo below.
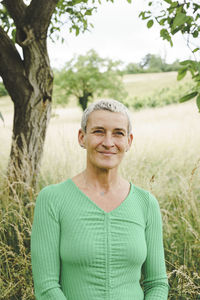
[29,129]
[31,118]
[83,101]
[29,82]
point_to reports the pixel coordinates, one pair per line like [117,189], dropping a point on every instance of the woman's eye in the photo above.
[119,133]
[98,131]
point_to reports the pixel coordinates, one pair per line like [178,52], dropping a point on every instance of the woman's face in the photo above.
[106,139]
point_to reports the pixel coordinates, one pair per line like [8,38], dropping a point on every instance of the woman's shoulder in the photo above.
[145,196]
[52,197]
[55,187]
[54,191]
[148,203]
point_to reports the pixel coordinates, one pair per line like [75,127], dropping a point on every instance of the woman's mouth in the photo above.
[107,153]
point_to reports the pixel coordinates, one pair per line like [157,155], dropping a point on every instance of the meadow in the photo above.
[164,159]
[155,89]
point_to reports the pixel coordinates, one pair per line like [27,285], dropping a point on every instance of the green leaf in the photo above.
[197,16]
[69,10]
[197,79]
[141,14]
[77,30]
[198,102]
[162,21]
[144,15]
[174,4]
[165,35]
[168,1]
[188,97]
[174,31]
[150,23]
[187,62]
[195,34]
[88,12]
[181,73]
[13,33]
[195,50]
[129,1]
[179,20]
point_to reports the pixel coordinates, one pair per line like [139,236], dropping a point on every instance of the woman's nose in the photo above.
[108,140]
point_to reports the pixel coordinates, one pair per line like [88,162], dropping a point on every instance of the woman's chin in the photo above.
[106,165]
[104,162]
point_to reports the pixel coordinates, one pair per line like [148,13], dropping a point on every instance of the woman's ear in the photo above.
[81,138]
[130,140]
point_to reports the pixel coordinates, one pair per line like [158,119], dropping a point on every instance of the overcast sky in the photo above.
[118,33]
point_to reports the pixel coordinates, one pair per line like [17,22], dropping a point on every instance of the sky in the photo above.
[119,34]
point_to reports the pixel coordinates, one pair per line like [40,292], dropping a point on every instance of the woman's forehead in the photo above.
[105,118]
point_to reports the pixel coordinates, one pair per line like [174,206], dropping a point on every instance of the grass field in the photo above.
[164,159]
[147,83]
[155,90]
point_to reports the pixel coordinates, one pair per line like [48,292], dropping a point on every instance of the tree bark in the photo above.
[29,81]
[31,116]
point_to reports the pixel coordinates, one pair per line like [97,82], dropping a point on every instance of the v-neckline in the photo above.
[97,206]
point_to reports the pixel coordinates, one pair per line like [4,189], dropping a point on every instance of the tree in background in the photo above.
[151,63]
[28,78]
[155,63]
[88,76]
[133,68]
[183,17]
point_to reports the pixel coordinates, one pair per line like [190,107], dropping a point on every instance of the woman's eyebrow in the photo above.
[120,129]
[115,129]
[97,127]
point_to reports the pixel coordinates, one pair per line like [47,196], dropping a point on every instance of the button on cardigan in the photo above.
[81,252]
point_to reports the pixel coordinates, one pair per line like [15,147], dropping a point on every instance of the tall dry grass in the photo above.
[15,229]
[164,159]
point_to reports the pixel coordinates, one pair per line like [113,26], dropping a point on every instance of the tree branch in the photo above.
[12,68]
[39,14]
[16,10]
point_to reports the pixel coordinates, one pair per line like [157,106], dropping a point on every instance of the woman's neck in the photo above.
[101,179]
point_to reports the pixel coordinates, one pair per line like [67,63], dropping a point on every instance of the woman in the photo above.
[95,233]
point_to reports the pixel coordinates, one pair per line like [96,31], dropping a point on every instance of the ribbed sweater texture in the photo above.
[81,252]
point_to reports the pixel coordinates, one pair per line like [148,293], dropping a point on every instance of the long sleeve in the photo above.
[155,277]
[45,257]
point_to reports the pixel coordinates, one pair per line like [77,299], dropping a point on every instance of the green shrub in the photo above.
[162,97]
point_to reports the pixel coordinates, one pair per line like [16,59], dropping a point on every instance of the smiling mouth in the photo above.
[107,153]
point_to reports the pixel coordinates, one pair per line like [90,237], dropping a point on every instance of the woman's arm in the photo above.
[155,277]
[45,257]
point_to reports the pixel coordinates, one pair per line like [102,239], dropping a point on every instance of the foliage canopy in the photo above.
[183,17]
[90,75]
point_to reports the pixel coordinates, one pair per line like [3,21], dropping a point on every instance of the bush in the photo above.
[162,97]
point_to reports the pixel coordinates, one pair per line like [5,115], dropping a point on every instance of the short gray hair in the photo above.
[105,104]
